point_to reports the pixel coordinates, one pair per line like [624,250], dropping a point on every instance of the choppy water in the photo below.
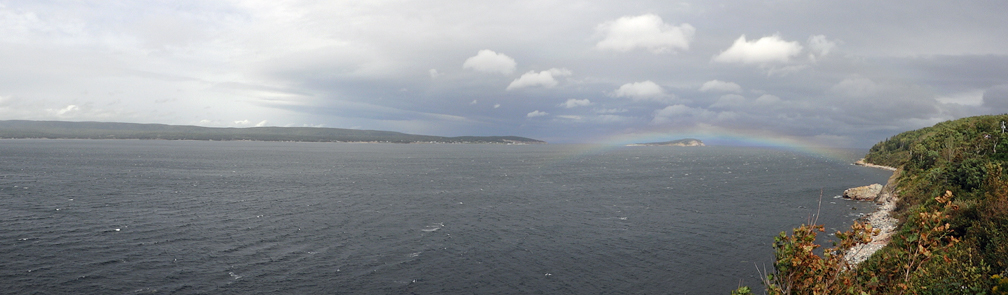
[118,217]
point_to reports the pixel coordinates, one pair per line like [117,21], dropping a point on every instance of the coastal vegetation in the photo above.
[105,130]
[952,237]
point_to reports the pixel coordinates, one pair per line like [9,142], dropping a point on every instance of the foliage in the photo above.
[953,207]
[744,290]
[800,271]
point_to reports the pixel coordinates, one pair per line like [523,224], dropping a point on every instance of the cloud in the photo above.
[573,103]
[434,73]
[496,105]
[730,101]
[70,109]
[855,87]
[245,122]
[820,46]
[596,119]
[610,111]
[968,98]
[739,103]
[642,91]
[488,61]
[682,114]
[996,98]
[767,99]
[544,78]
[570,117]
[645,31]
[861,101]
[766,50]
[536,113]
[720,86]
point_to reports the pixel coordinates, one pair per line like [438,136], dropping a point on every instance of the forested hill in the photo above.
[952,236]
[955,169]
[967,139]
[105,130]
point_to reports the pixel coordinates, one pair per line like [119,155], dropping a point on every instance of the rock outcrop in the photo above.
[863,193]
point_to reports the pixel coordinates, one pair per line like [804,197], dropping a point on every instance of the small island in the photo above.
[679,142]
[17,129]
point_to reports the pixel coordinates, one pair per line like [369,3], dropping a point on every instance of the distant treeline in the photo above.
[105,130]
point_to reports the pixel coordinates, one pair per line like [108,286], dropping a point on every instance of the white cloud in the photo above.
[70,109]
[488,61]
[573,103]
[645,31]
[245,122]
[730,101]
[610,111]
[496,105]
[767,99]
[856,87]
[544,78]
[681,114]
[536,113]
[820,46]
[766,50]
[639,91]
[739,103]
[434,73]
[968,98]
[473,102]
[720,86]
[598,119]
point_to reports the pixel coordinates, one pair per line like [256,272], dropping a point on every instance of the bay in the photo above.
[131,216]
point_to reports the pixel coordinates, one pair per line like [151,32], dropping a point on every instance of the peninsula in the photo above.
[106,130]
[679,142]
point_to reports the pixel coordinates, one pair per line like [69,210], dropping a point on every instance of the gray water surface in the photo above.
[129,216]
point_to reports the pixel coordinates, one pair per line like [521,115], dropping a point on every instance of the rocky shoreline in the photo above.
[866,164]
[881,219]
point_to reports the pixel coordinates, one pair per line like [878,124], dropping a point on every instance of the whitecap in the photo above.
[433,227]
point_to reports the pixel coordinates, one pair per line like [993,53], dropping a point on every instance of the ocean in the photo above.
[191,217]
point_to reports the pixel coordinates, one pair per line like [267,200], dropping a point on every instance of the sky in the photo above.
[843,74]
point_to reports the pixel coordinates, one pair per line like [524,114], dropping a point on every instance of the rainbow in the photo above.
[713,136]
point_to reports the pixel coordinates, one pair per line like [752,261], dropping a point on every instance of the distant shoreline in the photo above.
[22,129]
[252,140]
